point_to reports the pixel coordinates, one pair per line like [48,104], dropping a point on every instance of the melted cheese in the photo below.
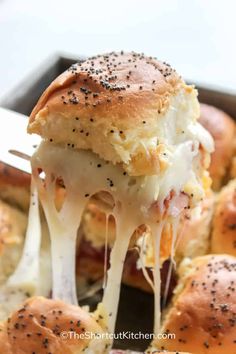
[106,252]
[25,281]
[84,175]
[27,271]
[141,263]
[175,225]
[156,232]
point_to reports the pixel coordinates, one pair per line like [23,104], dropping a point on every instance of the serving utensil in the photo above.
[16,146]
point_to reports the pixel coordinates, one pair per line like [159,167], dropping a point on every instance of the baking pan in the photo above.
[136,307]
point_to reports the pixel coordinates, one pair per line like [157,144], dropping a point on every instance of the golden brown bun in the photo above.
[223,129]
[14,186]
[112,104]
[203,312]
[13,225]
[195,229]
[224,221]
[37,326]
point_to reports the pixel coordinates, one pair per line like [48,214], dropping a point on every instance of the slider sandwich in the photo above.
[203,310]
[50,326]
[222,127]
[13,223]
[119,130]
[223,238]
[14,187]
[44,326]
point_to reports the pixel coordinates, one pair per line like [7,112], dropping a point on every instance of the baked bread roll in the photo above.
[13,224]
[223,129]
[120,128]
[223,238]
[14,187]
[203,311]
[48,326]
[118,100]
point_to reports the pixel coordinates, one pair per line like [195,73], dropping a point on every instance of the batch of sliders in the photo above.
[132,173]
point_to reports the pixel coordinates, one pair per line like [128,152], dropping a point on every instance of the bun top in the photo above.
[117,105]
[13,223]
[111,82]
[42,326]
[223,238]
[14,186]
[203,315]
[223,130]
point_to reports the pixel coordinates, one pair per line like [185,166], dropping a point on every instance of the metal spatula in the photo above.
[16,146]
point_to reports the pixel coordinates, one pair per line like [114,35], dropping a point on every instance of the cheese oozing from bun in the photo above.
[124,126]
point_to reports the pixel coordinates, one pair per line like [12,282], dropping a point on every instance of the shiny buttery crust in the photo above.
[37,325]
[13,223]
[108,104]
[203,312]
[223,129]
[224,221]
[14,186]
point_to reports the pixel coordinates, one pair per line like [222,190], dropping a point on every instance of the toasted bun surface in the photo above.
[223,129]
[13,225]
[224,221]
[14,186]
[203,316]
[37,327]
[113,105]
